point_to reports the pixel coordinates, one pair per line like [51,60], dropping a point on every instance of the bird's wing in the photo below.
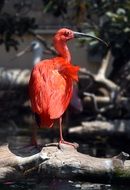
[36,86]
[50,87]
[61,83]
[39,93]
[61,92]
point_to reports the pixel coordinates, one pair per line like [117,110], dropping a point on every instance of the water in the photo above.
[96,146]
[60,185]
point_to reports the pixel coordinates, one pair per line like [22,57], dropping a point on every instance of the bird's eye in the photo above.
[66,33]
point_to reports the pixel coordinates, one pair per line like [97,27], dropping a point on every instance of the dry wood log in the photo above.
[105,100]
[63,162]
[101,77]
[105,94]
[13,78]
[13,92]
[102,72]
[13,165]
[97,127]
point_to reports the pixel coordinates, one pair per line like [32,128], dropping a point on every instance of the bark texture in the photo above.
[64,162]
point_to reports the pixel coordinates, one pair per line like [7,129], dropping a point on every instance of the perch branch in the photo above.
[13,78]
[63,162]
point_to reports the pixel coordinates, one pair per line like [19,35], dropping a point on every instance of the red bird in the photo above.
[51,82]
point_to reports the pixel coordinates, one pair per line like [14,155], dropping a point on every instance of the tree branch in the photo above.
[102,128]
[63,162]
[100,77]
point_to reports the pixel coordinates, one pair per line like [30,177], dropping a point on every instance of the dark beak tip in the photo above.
[80,35]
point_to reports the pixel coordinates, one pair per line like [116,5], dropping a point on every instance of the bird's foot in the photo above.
[63,142]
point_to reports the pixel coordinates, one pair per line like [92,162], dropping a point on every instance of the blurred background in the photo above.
[101,121]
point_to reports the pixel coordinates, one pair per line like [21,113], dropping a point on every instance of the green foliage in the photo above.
[114,26]
[113,21]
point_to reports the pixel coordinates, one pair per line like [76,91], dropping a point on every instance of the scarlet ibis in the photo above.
[51,82]
[37,49]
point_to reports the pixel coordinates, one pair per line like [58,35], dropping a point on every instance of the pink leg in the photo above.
[61,135]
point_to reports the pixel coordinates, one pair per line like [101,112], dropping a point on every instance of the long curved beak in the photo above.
[80,35]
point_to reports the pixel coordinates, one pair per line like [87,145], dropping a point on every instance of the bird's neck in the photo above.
[62,48]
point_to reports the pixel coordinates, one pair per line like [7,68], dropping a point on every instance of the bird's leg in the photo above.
[61,135]
[34,136]
[62,141]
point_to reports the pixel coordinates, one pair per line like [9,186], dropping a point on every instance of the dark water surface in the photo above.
[60,185]
[97,146]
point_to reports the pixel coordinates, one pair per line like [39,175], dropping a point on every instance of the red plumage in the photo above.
[51,83]
[50,88]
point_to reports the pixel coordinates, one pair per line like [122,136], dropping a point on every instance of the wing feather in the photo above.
[50,88]
[37,91]
[60,96]
[61,83]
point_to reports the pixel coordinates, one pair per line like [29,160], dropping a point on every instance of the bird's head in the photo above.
[65,34]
